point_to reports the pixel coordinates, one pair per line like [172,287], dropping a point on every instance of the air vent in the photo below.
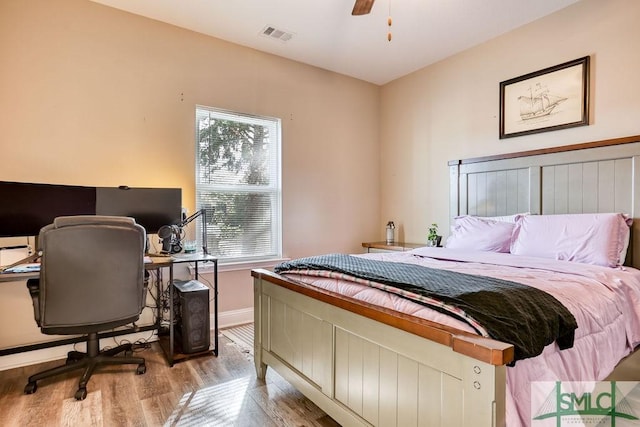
[275,33]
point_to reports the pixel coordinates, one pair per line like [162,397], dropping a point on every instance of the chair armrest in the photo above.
[34,290]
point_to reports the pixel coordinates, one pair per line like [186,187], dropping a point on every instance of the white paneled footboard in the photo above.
[362,367]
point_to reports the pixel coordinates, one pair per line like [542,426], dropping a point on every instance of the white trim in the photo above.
[230,318]
[17,360]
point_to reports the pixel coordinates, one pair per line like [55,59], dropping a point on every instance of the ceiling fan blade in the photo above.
[362,7]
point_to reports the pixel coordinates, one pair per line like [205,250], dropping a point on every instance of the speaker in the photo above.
[192,326]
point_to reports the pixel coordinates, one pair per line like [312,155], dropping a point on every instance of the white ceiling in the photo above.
[326,35]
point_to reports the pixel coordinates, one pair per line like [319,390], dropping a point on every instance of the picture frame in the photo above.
[546,100]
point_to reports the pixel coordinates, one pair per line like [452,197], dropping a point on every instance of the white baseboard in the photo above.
[225,319]
[27,358]
[230,318]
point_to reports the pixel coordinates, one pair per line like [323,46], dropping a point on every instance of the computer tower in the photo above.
[192,330]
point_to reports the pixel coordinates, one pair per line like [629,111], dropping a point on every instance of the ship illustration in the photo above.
[538,103]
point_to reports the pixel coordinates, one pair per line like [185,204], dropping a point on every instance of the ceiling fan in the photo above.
[362,7]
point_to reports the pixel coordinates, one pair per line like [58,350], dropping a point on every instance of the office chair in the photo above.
[91,280]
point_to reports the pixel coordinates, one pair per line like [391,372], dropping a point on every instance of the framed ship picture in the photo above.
[550,99]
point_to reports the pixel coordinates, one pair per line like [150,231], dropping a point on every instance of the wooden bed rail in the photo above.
[480,348]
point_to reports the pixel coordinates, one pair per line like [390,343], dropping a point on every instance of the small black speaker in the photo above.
[192,316]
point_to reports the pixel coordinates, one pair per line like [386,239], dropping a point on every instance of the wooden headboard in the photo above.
[600,176]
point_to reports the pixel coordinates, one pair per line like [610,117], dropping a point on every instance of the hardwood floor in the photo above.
[211,391]
[205,391]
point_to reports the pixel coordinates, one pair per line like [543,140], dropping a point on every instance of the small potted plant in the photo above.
[433,239]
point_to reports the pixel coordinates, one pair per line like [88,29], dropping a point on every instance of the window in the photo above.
[238,184]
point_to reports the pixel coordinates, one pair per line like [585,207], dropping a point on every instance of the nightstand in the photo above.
[390,247]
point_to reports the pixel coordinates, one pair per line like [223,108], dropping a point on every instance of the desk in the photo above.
[13,277]
[167,342]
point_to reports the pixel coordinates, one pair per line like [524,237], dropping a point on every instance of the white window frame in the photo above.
[274,187]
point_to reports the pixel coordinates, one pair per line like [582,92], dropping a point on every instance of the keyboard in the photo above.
[24,268]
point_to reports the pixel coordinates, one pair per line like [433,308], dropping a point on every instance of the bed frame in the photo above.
[365,365]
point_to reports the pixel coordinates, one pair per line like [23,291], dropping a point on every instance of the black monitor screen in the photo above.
[151,207]
[25,208]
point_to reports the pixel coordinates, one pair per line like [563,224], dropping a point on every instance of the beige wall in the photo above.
[91,95]
[450,110]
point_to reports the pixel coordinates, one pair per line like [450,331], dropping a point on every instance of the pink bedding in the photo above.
[605,302]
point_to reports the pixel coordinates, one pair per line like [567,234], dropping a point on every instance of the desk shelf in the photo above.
[166,334]
[177,355]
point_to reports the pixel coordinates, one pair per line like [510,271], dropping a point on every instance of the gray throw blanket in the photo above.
[510,312]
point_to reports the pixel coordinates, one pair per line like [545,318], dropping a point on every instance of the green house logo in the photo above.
[604,404]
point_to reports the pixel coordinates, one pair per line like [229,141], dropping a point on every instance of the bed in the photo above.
[368,363]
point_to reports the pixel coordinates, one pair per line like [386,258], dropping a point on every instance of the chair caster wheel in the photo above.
[30,388]
[141,369]
[70,361]
[81,394]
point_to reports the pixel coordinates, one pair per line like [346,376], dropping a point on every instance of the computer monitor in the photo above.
[151,207]
[25,208]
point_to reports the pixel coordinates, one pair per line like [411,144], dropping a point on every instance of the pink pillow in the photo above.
[505,218]
[475,233]
[599,239]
